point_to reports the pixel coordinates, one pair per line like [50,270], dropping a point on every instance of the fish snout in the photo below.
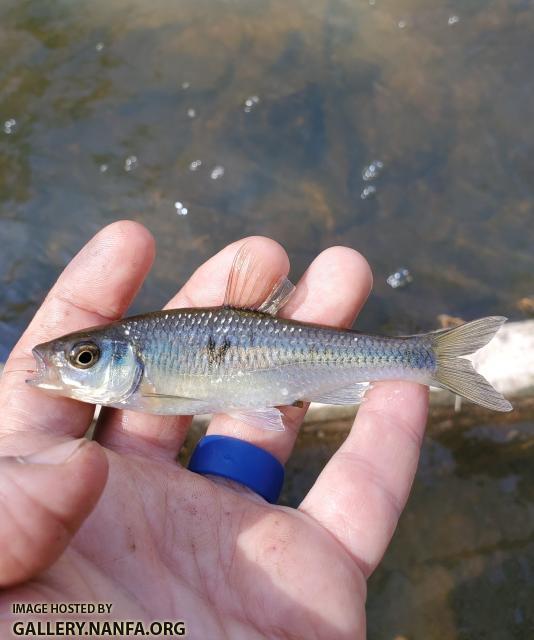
[45,376]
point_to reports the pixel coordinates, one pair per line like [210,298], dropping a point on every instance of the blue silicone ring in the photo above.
[240,461]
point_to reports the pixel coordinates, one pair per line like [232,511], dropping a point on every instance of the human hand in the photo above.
[163,542]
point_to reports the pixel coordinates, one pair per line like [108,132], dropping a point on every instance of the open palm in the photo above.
[119,520]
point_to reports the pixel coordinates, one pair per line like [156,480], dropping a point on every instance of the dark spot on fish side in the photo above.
[217,352]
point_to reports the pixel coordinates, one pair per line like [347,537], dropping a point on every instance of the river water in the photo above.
[402,128]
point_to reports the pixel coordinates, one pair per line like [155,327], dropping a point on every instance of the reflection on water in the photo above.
[399,127]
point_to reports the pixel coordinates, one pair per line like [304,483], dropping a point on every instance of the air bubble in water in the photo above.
[191,113]
[250,103]
[10,126]
[195,165]
[181,210]
[373,170]
[217,172]
[453,20]
[186,85]
[401,24]
[368,192]
[399,278]
[131,163]
[103,168]
[99,46]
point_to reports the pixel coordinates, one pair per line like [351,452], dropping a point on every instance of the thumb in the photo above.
[44,498]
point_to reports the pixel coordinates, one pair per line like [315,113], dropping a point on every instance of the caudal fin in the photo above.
[457,374]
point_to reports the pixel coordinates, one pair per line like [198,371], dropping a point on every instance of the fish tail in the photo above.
[456,373]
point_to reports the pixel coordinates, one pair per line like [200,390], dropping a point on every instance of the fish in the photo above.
[243,360]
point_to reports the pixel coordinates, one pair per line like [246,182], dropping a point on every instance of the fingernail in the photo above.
[58,454]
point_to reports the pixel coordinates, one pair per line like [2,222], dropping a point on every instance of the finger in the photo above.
[362,491]
[44,499]
[159,436]
[332,291]
[95,288]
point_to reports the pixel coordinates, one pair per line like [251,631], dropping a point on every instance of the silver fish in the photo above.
[246,362]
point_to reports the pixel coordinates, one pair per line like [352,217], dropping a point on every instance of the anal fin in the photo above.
[345,395]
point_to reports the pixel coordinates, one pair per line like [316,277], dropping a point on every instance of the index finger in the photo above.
[95,288]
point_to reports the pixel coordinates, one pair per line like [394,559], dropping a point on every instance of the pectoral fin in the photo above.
[170,396]
[169,404]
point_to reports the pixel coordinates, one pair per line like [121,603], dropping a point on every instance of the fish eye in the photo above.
[84,355]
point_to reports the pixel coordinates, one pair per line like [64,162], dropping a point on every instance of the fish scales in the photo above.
[226,359]
[208,352]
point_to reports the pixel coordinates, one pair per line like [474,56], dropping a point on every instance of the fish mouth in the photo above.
[42,377]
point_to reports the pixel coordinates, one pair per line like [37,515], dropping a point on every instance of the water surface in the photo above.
[293,101]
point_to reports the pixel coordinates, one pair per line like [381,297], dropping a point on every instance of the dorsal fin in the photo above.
[282,290]
[251,286]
